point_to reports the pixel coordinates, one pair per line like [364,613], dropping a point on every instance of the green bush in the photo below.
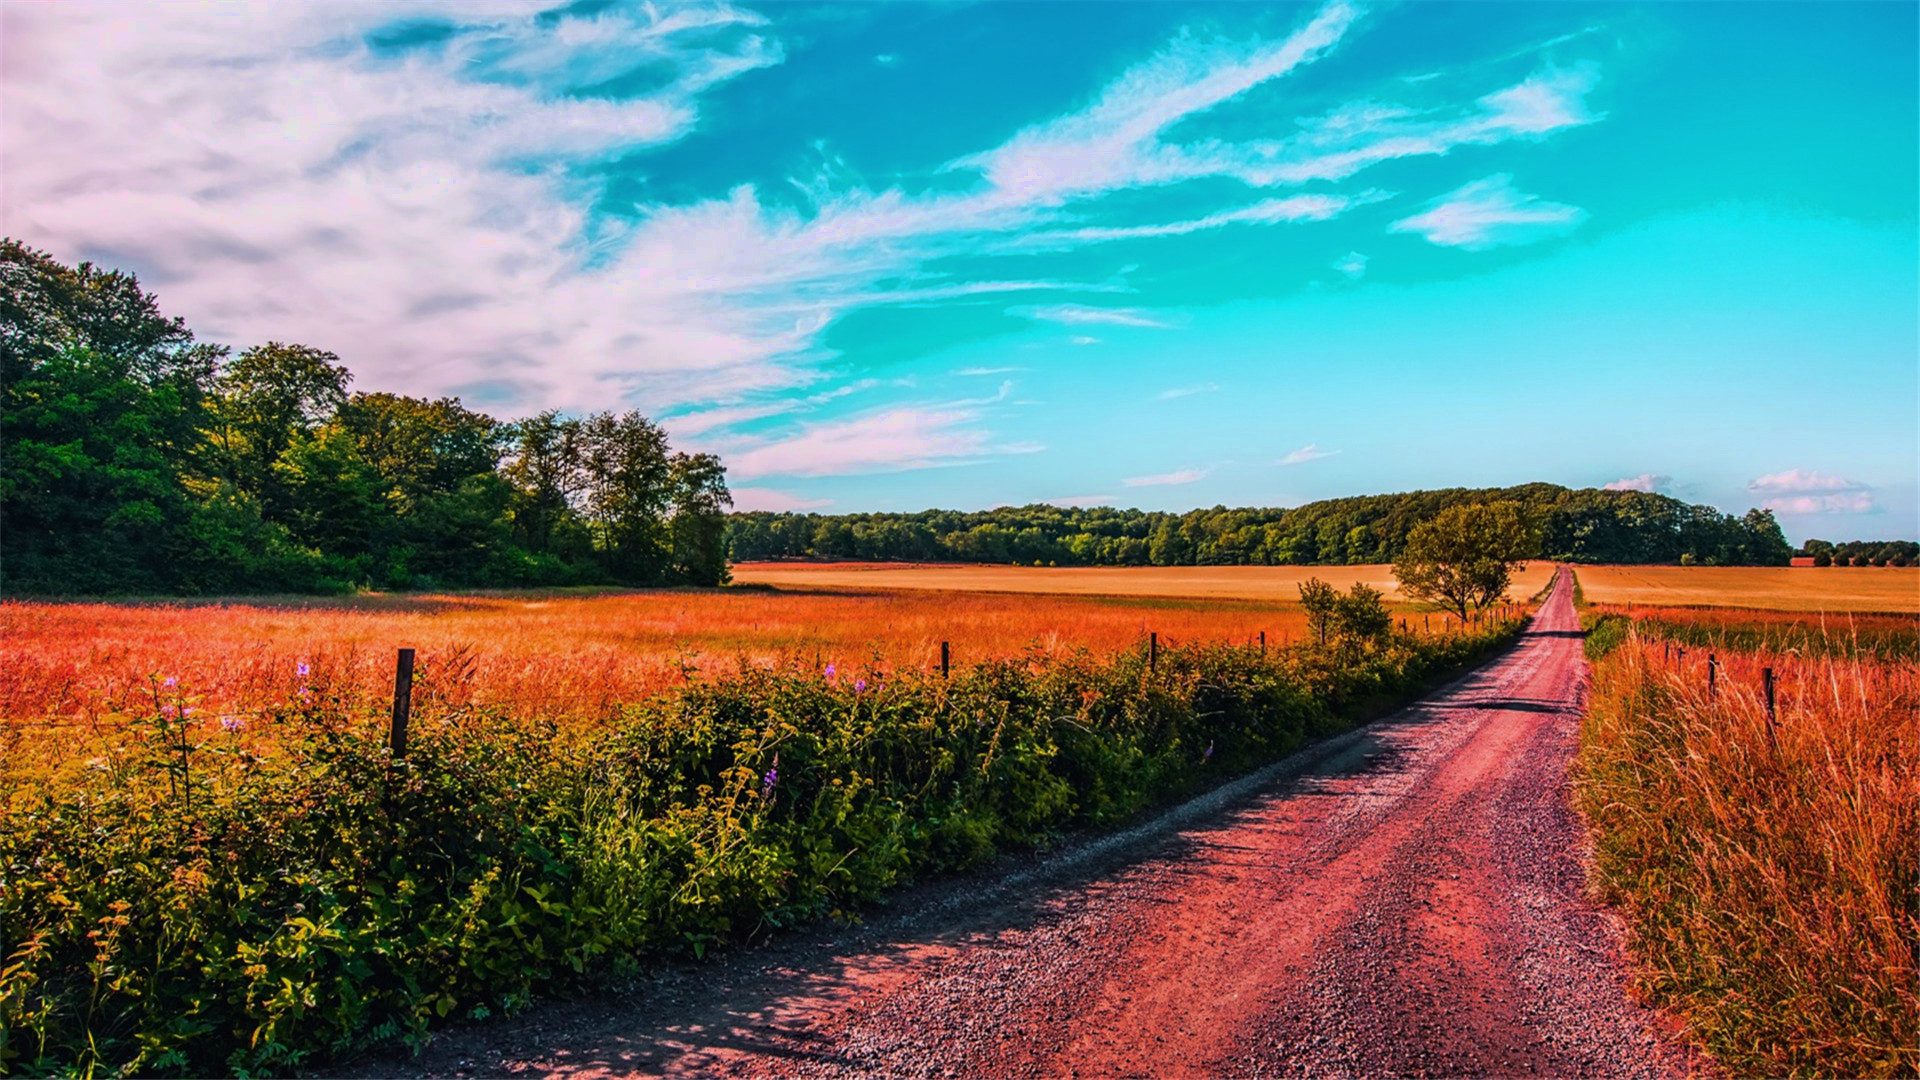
[184,905]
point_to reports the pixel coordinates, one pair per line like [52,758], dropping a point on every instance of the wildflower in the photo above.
[830,670]
[186,710]
[859,686]
[303,670]
[232,724]
[171,681]
[768,781]
[1208,756]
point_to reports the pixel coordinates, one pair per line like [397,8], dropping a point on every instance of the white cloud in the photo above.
[1267,212]
[973,371]
[1082,314]
[1808,491]
[1648,482]
[1178,476]
[1490,213]
[1189,391]
[1080,500]
[759,498]
[1116,143]
[1852,502]
[1802,480]
[1309,452]
[891,440]
[1352,264]
[273,175]
[1082,339]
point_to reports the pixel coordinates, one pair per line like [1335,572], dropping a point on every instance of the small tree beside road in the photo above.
[1465,557]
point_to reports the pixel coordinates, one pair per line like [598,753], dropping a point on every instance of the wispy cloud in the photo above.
[1352,264]
[1309,452]
[1083,339]
[1080,500]
[1083,314]
[1268,212]
[1188,391]
[286,171]
[759,498]
[1490,213]
[1808,491]
[975,371]
[1178,476]
[1647,482]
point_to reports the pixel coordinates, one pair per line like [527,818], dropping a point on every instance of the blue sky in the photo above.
[1161,255]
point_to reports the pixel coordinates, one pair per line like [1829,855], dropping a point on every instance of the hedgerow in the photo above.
[188,903]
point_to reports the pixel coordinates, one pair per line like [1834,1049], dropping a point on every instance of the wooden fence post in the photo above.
[1766,680]
[1263,642]
[1153,650]
[946,660]
[402,702]
[1713,670]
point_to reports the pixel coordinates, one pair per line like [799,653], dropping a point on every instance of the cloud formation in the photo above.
[1808,491]
[418,186]
[1490,213]
[1647,482]
[759,498]
[1352,264]
[1080,500]
[1085,315]
[1178,476]
[1309,452]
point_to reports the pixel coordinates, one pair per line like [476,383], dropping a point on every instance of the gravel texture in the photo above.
[1404,900]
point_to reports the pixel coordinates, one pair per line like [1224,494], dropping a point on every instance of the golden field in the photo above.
[546,653]
[1278,583]
[1774,588]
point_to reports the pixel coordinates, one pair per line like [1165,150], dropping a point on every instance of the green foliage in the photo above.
[1465,557]
[133,460]
[1586,525]
[181,904]
[1605,632]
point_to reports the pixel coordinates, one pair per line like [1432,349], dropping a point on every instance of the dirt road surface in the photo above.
[1405,900]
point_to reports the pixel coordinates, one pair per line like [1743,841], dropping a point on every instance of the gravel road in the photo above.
[1405,900]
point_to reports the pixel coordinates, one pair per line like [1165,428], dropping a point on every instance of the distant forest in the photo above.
[135,460]
[1585,525]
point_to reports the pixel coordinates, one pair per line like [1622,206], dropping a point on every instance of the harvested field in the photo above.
[1775,588]
[1245,582]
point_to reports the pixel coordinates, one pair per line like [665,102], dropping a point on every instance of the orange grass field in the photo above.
[1242,582]
[544,653]
[572,652]
[1777,588]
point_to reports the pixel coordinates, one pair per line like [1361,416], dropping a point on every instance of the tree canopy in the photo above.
[1583,525]
[1465,557]
[133,459]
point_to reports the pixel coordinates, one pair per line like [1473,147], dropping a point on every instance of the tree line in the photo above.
[1862,552]
[134,459]
[1585,525]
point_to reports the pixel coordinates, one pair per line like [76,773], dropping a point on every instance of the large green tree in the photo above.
[1465,557]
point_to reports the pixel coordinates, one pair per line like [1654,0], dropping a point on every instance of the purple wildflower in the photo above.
[768,781]
[232,724]
[171,681]
[859,686]
[1208,756]
[302,670]
[830,670]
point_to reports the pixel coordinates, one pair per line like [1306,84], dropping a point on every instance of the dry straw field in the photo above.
[1280,583]
[1775,588]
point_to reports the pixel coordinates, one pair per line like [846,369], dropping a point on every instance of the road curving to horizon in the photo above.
[1405,899]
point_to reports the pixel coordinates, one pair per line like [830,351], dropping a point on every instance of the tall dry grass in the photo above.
[1769,868]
